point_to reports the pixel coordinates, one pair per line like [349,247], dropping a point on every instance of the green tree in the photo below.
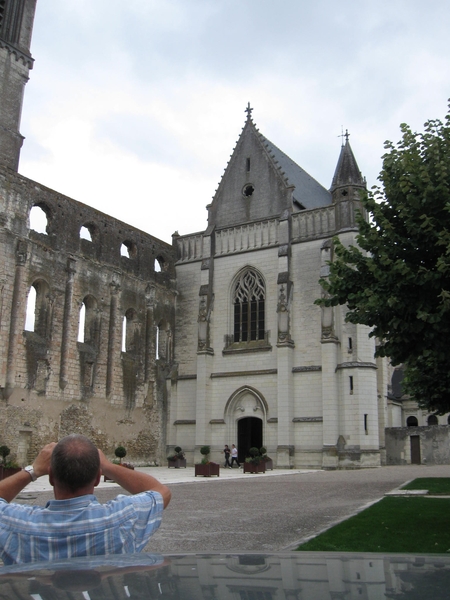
[397,280]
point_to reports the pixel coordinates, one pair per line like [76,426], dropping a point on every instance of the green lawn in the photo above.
[434,485]
[409,524]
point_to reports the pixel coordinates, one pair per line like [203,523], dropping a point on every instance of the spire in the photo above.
[16,24]
[249,110]
[347,171]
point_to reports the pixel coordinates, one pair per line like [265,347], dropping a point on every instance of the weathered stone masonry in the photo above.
[52,384]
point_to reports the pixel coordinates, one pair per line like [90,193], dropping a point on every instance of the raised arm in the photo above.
[133,481]
[14,484]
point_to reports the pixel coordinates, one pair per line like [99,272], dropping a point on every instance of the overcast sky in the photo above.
[135,107]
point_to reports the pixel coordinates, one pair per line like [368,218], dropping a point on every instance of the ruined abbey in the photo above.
[108,331]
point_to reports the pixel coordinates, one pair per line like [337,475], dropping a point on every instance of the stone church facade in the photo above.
[214,339]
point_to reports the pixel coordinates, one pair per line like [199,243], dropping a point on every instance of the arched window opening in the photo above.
[38,219]
[88,324]
[85,234]
[81,322]
[38,316]
[432,420]
[249,307]
[158,265]
[31,309]
[130,331]
[128,249]
[412,422]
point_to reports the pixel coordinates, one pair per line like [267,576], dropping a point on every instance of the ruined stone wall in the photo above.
[59,377]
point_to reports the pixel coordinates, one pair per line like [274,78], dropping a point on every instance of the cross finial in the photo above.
[248,110]
[343,135]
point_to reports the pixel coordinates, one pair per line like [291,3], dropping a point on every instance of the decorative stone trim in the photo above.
[357,365]
[185,422]
[180,377]
[306,369]
[307,420]
[245,373]
[272,420]
[217,422]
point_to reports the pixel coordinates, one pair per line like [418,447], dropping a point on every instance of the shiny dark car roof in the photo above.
[232,576]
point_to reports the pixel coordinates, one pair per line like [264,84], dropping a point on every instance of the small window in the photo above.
[85,234]
[128,249]
[38,220]
[366,423]
[248,190]
[248,165]
[350,380]
[412,422]
[31,309]
[158,266]
[432,420]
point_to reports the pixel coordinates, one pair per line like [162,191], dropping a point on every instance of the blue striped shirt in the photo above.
[78,527]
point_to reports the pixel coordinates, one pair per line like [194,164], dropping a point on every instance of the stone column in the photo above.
[15,323]
[67,320]
[112,336]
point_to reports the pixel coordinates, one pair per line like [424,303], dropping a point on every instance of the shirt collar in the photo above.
[78,502]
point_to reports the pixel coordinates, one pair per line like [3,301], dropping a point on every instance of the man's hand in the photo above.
[14,484]
[42,461]
[133,481]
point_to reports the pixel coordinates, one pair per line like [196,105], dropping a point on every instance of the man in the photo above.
[234,456]
[75,523]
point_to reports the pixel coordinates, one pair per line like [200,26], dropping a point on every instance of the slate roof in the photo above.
[308,192]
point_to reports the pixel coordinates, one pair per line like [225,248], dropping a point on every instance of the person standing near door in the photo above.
[227,453]
[234,456]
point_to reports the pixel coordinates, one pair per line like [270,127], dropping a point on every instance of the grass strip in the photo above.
[434,485]
[411,524]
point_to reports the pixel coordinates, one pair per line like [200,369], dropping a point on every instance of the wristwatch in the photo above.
[30,472]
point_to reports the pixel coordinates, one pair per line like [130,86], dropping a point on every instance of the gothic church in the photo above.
[214,339]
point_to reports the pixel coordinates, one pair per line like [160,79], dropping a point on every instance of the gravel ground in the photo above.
[264,514]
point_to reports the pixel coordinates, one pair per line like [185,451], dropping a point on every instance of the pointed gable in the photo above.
[261,182]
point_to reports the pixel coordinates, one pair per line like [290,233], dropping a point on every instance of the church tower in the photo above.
[16,25]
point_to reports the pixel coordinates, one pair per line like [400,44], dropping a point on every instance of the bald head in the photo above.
[75,463]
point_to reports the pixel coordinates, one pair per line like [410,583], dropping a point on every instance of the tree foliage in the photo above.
[398,278]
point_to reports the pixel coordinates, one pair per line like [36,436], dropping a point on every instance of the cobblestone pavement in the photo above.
[264,513]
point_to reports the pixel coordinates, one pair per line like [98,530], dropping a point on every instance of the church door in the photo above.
[249,436]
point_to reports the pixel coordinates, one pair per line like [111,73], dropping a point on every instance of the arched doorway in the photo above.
[250,434]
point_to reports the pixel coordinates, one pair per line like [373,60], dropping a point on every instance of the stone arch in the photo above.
[244,402]
[131,332]
[412,421]
[432,420]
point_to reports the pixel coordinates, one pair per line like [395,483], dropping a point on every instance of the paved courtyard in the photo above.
[269,512]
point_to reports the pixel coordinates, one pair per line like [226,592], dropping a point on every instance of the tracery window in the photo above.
[249,307]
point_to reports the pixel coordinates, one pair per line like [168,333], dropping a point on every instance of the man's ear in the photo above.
[97,479]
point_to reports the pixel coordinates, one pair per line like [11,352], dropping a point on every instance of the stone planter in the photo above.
[255,468]
[269,464]
[178,463]
[207,470]
[7,471]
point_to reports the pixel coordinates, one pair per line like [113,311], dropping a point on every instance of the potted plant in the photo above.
[177,459]
[120,452]
[255,462]
[7,468]
[206,468]
[266,459]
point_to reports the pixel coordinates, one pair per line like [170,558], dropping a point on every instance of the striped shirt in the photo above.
[78,527]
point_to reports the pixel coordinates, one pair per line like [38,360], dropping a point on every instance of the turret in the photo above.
[16,25]
[347,186]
